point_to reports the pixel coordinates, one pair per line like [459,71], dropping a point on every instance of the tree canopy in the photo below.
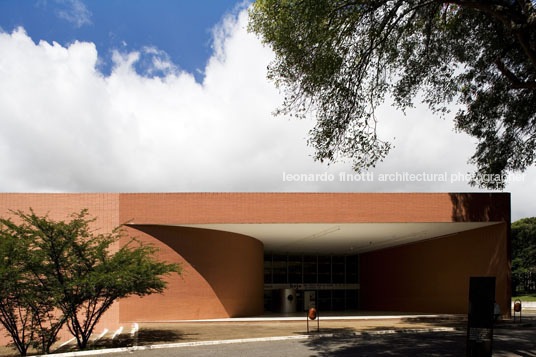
[56,272]
[524,255]
[16,293]
[340,59]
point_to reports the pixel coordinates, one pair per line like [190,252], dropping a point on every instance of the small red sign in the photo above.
[312,313]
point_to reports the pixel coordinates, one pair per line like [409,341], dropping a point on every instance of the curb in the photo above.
[245,340]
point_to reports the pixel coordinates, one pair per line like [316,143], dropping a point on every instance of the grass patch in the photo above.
[528,297]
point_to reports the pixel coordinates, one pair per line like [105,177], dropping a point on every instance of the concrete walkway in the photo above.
[155,335]
[262,328]
[228,329]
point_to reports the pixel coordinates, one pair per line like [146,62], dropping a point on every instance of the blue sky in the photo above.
[180,28]
[172,96]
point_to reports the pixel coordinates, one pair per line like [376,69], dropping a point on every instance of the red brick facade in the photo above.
[224,271]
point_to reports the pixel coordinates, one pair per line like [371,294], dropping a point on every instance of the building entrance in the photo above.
[329,283]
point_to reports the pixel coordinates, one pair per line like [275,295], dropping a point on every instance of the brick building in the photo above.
[411,252]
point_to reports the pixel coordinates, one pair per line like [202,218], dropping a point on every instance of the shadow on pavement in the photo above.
[452,321]
[397,344]
[514,342]
[507,342]
[155,336]
[339,331]
[145,337]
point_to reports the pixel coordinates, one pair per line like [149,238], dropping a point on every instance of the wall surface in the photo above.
[223,276]
[103,206]
[198,208]
[224,272]
[433,276]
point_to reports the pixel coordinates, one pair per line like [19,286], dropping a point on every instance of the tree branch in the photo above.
[520,22]
[516,82]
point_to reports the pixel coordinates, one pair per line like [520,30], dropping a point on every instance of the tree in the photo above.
[80,272]
[524,254]
[15,315]
[26,309]
[341,58]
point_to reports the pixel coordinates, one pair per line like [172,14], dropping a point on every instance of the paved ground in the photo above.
[507,342]
[177,332]
[185,332]
[165,333]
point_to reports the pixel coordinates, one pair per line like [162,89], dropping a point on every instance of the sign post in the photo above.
[480,316]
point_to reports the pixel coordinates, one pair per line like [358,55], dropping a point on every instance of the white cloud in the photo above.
[159,62]
[74,11]
[64,126]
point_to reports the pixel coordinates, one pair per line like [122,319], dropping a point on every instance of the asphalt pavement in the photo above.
[507,342]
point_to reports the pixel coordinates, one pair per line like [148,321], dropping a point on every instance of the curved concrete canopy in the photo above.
[340,238]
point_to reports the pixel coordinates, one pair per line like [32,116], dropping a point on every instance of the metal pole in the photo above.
[307,318]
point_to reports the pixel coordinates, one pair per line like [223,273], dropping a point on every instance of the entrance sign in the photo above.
[480,316]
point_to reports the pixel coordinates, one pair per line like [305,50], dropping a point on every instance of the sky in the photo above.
[172,96]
